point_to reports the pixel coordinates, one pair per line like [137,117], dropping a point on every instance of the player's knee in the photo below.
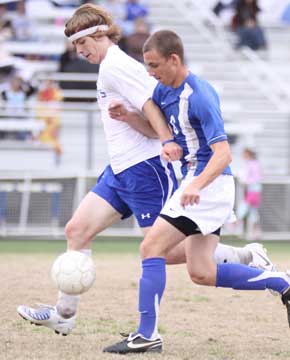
[71,230]
[148,248]
[75,236]
[199,277]
[144,247]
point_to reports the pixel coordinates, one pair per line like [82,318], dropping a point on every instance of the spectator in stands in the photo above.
[225,10]
[48,96]
[68,3]
[245,23]
[11,6]
[133,10]
[117,9]
[286,14]
[134,42]
[67,57]
[248,211]
[15,97]
[5,24]
[71,62]
[22,26]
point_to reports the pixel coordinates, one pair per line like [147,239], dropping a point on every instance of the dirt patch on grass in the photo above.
[195,322]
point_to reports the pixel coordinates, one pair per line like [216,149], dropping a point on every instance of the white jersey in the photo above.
[123,79]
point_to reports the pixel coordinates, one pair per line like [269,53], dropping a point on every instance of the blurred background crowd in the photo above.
[49,112]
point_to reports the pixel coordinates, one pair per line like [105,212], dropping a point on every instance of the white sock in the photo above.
[231,254]
[66,304]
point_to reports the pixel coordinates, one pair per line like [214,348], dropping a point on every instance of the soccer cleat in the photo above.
[135,343]
[46,315]
[260,258]
[286,301]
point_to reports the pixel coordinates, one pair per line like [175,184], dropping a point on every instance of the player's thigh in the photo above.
[94,214]
[160,239]
[199,251]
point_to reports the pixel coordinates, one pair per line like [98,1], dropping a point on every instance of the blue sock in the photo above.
[151,287]
[243,277]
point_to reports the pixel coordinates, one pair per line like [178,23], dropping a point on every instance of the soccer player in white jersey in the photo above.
[137,181]
[203,202]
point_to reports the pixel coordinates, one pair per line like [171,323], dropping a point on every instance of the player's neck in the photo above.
[181,75]
[109,45]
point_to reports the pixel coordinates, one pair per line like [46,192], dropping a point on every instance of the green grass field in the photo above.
[115,245]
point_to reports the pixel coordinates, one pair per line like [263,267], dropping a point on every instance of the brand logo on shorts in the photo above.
[144,216]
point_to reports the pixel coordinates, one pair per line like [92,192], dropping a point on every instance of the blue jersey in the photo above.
[193,112]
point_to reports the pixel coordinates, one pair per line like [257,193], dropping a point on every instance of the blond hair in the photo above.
[89,15]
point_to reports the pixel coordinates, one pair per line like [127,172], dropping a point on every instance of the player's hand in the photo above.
[171,151]
[190,195]
[117,111]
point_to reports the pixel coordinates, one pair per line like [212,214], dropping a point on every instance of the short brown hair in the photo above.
[89,15]
[166,42]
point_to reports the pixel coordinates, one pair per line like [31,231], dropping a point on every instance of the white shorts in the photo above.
[214,209]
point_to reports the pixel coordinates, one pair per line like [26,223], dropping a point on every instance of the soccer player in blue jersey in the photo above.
[202,204]
[137,181]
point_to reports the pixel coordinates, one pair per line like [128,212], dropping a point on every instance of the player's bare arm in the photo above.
[171,150]
[135,119]
[220,159]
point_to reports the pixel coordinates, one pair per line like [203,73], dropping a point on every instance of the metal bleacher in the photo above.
[251,93]
[242,78]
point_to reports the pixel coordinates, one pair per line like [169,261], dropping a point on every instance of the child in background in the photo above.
[251,179]
[49,95]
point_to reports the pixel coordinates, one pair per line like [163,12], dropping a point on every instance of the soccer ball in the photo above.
[73,272]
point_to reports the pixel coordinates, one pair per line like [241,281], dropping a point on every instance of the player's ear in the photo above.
[175,59]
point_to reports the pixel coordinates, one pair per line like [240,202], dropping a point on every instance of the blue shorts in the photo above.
[141,190]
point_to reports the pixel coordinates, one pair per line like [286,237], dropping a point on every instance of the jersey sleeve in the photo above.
[131,81]
[206,107]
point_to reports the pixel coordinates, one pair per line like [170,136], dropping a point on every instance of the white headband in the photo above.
[88,31]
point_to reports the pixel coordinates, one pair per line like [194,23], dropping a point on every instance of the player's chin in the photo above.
[159,79]
[164,82]
[91,59]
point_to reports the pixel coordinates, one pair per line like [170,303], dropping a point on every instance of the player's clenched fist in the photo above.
[171,151]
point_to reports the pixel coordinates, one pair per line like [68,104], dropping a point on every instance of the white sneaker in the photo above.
[260,258]
[46,315]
